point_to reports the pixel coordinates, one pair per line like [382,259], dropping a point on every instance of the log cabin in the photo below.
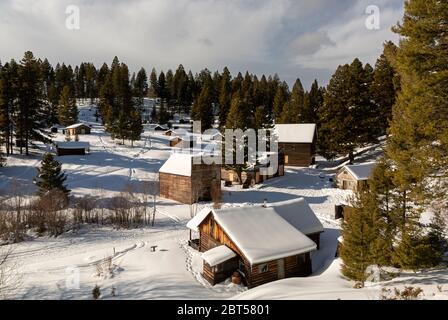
[77,129]
[257,242]
[355,177]
[298,143]
[188,181]
[72,148]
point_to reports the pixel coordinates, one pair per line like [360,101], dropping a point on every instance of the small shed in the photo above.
[259,243]
[185,178]
[298,143]
[71,148]
[355,177]
[77,129]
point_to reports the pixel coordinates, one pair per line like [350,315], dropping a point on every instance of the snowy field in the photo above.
[50,268]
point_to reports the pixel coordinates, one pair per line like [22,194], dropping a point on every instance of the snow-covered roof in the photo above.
[194,223]
[296,133]
[73,145]
[260,233]
[300,215]
[77,125]
[218,255]
[361,171]
[179,164]
[156,126]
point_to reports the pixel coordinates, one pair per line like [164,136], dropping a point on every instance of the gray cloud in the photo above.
[294,38]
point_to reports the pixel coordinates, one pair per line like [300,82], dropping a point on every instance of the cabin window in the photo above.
[263,268]
[242,267]
[301,259]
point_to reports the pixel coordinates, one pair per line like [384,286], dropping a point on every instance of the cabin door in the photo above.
[281,268]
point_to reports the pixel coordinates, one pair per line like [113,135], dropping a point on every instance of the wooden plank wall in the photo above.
[298,154]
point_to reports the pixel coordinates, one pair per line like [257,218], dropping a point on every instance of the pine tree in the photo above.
[161,86]
[313,101]
[225,96]
[8,95]
[154,84]
[29,117]
[180,88]
[362,241]
[140,86]
[135,126]
[419,129]
[50,176]
[418,143]
[163,116]
[346,116]
[280,99]
[384,91]
[203,109]
[169,89]
[294,108]
[67,111]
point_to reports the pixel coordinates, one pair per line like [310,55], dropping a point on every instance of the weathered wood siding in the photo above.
[204,179]
[174,187]
[298,154]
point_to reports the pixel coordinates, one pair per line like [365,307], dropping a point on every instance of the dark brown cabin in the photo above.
[73,148]
[298,143]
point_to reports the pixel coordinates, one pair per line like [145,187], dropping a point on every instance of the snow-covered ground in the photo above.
[155,262]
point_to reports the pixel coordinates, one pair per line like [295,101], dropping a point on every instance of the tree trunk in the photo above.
[351,157]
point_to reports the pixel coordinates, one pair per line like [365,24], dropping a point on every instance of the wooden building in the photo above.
[182,180]
[156,127]
[254,175]
[298,143]
[72,148]
[77,129]
[257,242]
[355,177]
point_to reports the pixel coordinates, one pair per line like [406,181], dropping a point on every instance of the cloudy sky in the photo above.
[294,38]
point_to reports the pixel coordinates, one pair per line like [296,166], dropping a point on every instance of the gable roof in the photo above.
[260,233]
[300,215]
[178,164]
[78,125]
[296,133]
[361,171]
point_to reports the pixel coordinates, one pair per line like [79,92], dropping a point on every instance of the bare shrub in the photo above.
[49,214]
[10,279]
[121,211]
[13,214]
[83,211]
[408,293]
